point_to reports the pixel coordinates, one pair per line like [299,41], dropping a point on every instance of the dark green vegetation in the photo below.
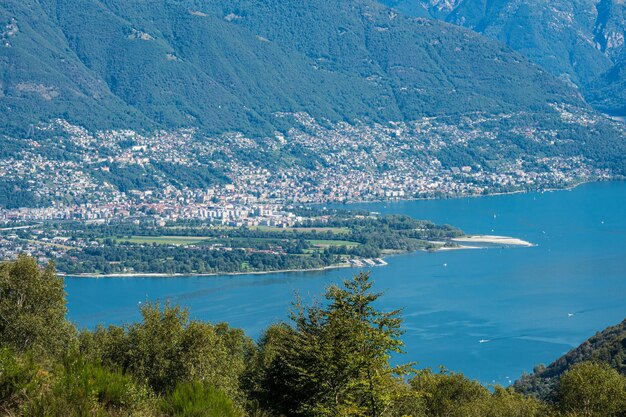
[330,359]
[608,346]
[195,247]
[230,66]
[12,195]
[580,41]
[608,92]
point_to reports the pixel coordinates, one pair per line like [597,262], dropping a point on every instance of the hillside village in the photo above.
[73,174]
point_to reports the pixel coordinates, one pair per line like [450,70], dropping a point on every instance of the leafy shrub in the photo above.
[198,400]
[19,379]
[446,392]
[80,388]
[32,308]
[593,389]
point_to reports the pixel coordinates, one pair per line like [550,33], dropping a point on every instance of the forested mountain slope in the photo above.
[230,66]
[608,92]
[580,41]
[607,346]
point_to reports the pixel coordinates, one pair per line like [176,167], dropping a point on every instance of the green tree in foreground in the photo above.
[445,393]
[32,308]
[166,348]
[332,360]
[593,390]
[503,403]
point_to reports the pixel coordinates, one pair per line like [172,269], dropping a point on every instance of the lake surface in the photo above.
[527,305]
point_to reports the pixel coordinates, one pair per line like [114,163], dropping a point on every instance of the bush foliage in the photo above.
[331,359]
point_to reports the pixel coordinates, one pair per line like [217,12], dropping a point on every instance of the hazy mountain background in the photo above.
[580,41]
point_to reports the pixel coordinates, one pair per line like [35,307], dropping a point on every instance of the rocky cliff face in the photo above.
[610,28]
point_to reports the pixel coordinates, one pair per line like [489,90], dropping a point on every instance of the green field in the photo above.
[333,243]
[164,240]
[333,230]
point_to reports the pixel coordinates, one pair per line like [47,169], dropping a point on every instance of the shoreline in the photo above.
[459,247]
[503,241]
[460,196]
[489,240]
[402,199]
[211,274]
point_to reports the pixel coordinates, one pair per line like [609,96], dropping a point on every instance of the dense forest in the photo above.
[231,66]
[555,34]
[329,359]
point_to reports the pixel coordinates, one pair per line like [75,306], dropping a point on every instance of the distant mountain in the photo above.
[607,346]
[578,40]
[608,92]
[231,65]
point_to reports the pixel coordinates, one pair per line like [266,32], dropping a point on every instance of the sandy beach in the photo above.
[493,240]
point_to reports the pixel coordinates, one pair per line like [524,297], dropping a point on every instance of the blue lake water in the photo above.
[531,304]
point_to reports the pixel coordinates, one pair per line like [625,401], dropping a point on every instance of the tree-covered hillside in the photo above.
[608,92]
[607,346]
[580,41]
[231,65]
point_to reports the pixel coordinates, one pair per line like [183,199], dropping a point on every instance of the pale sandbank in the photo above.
[492,240]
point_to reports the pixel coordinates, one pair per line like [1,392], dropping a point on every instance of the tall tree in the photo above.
[333,360]
[166,348]
[32,307]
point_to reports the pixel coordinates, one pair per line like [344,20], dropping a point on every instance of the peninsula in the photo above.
[307,239]
[279,240]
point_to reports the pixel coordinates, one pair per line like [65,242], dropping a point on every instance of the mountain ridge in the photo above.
[229,67]
[581,41]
